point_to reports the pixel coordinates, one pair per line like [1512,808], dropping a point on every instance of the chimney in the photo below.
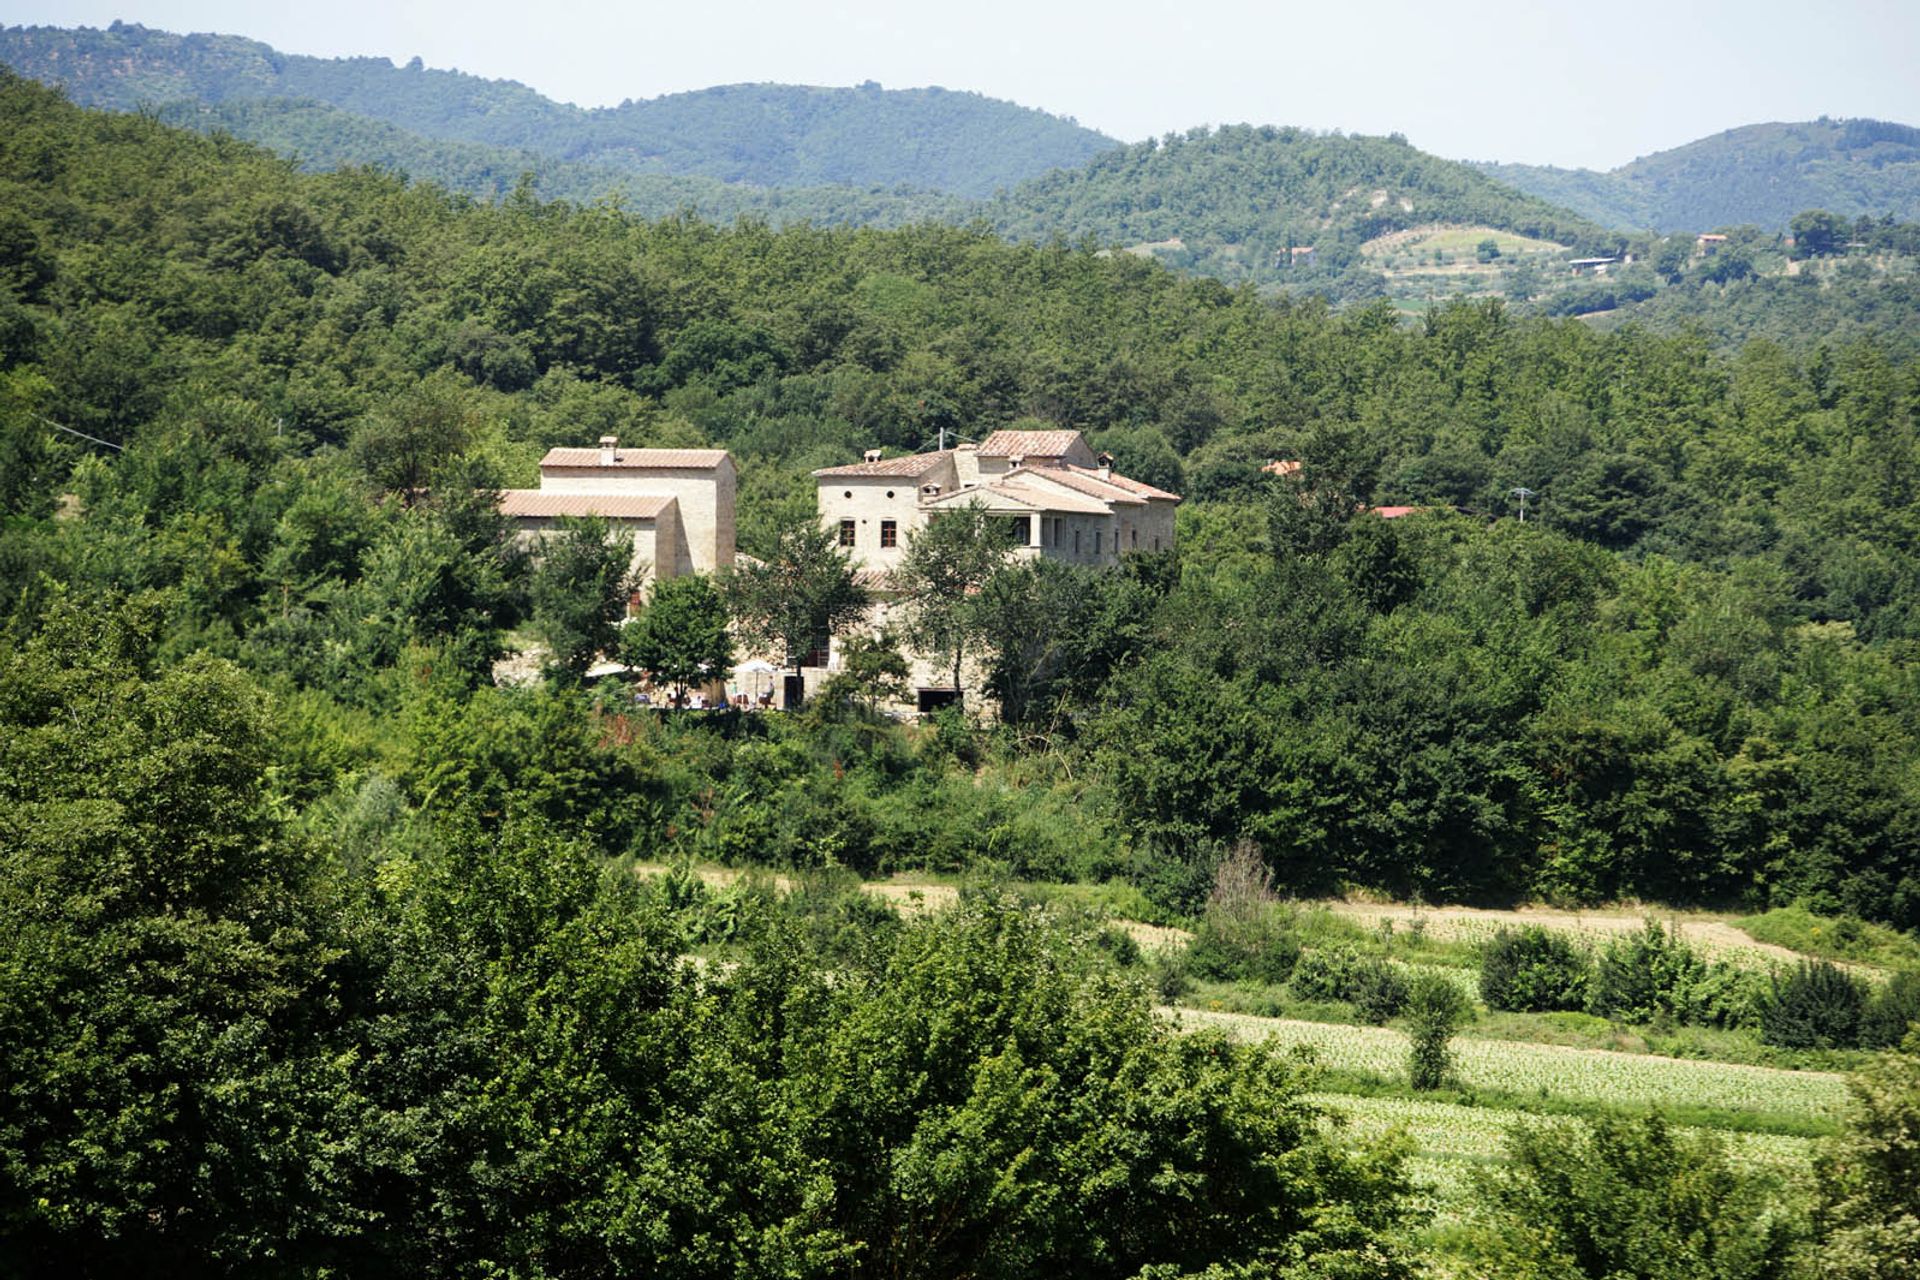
[871,455]
[929,490]
[1106,466]
[1016,462]
[609,450]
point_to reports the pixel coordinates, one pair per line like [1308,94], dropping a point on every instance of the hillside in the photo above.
[767,135]
[327,954]
[1761,174]
[324,138]
[1233,201]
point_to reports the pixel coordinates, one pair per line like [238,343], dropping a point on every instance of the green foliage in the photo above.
[1654,976]
[681,634]
[790,600]
[1868,1214]
[1435,1009]
[1891,1011]
[580,587]
[760,135]
[1613,1197]
[1832,937]
[1237,198]
[1760,173]
[1376,987]
[949,560]
[1815,1005]
[1533,970]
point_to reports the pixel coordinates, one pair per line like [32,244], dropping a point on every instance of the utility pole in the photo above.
[1523,493]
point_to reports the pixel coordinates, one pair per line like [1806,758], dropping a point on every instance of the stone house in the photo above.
[678,504]
[1064,502]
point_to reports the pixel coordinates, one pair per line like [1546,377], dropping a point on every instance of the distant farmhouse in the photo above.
[1062,500]
[677,503]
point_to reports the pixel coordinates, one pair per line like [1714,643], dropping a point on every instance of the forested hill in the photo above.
[323,138]
[767,135]
[1687,678]
[1233,201]
[1761,174]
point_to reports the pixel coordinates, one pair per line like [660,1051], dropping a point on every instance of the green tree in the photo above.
[580,588]
[872,669]
[681,635]
[1817,233]
[1435,1008]
[1630,1197]
[948,560]
[1868,1217]
[168,1098]
[791,600]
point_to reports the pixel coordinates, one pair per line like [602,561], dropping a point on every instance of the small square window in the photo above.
[846,533]
[889,533]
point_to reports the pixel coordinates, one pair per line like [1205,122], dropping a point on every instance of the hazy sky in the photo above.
[1544,82]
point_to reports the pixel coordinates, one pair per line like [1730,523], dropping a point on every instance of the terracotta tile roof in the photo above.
[1138,487]
[906,466]
[637,459]
[1284,467]
[541,504]
[1394,513]
[1028,444]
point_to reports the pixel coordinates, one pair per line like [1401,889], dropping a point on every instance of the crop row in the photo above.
[1554,1071]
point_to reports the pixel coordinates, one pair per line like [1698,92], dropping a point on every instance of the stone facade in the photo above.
[1067,504]
[678,504]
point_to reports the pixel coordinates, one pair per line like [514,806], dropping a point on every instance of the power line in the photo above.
[70,431]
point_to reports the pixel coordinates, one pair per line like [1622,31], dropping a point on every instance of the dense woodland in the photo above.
[320,953]
[1760,173]
[759,135]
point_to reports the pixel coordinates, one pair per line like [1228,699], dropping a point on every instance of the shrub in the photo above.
[1533,970]
[1630,1197]
[1225,951]
[1321,974]
[1435,1010]
[1893,1009]
[1816,1005]
[1378,990]
[1644,976]
[1246,932]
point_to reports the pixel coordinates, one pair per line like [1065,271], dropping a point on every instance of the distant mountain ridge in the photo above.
[764,135]
[1760,173]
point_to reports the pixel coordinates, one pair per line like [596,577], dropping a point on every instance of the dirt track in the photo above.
[1712,936]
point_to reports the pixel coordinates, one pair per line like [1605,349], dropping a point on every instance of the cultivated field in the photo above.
[1555,1071]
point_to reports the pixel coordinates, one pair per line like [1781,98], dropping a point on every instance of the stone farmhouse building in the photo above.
[678,504]
[1064,502]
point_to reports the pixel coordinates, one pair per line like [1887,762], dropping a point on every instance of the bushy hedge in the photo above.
[1815,1005]
[1377,988]
[1654,976]
[1533,970]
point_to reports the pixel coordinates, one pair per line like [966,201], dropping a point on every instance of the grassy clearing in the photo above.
[1841,938]
[1547,1072]
[1454,239]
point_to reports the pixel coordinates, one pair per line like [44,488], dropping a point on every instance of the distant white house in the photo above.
[1063,501]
